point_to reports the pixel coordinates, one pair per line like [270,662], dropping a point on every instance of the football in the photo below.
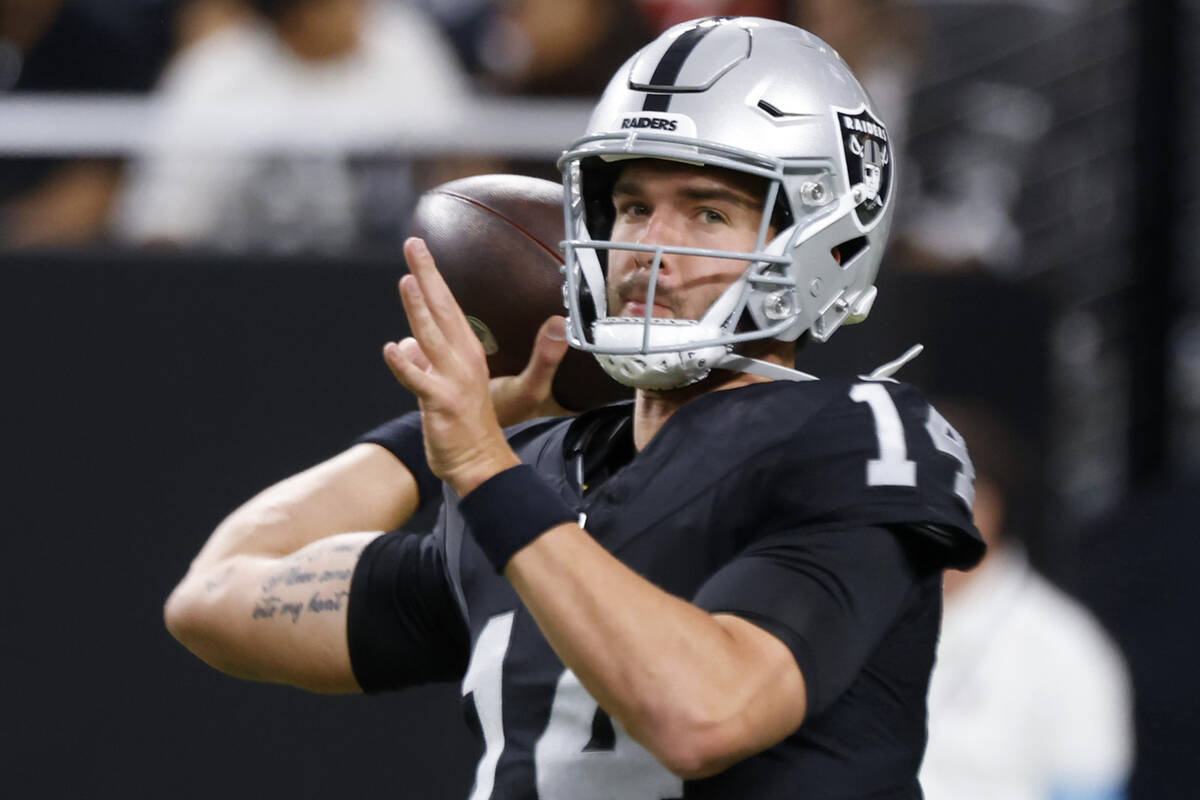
[496,242]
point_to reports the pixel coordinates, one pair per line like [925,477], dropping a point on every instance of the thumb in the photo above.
[548,350]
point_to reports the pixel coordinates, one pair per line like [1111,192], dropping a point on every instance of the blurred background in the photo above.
[201,209]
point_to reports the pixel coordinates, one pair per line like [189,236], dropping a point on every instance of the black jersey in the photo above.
[822,511]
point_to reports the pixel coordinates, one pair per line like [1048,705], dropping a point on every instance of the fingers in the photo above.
[421,320]
[411,350]
[548,350]
[438,298]
[409,365]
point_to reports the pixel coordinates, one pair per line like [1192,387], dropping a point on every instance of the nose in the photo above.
[659,229]
[663,227]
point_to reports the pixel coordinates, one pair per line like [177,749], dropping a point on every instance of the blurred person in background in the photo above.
[881,40]
[464,23]
[560,48]
[196,20]
[665,13]
[1030,699]
[72,46]
[557,48]
[316,75]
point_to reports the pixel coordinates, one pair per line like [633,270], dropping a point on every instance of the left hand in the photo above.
[444,365]
[530,394]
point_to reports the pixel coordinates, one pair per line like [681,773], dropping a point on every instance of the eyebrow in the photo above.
[718,193]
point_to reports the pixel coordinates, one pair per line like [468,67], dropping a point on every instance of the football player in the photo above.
[730,586]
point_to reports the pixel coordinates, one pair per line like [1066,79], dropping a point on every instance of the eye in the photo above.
[632,208]
[712,216]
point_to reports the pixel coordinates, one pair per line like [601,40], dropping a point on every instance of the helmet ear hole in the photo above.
[847,251]
[781,216]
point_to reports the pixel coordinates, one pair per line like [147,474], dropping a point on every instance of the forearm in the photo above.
[693,688]
[362,489]
[267,596]
[273,619]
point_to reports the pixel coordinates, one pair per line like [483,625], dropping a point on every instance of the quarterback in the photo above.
[727,587]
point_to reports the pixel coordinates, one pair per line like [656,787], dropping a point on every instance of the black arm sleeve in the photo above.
[830,596]
[403,437]
[404,625]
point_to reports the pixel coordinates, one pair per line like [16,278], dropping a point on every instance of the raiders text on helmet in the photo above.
[760,97]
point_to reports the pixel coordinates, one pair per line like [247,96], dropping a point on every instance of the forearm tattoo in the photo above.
[296,589]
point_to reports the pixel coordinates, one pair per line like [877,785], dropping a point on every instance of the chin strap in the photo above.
[763,369]
[778,372]
[892,367]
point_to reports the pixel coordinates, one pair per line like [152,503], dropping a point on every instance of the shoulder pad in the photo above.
[878,453]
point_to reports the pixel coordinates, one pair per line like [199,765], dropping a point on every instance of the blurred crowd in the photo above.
[226,73]
[1032,697]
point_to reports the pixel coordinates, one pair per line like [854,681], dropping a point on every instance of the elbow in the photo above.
[197,610]
[703,731]
[181,615]
[198,624]
[700,749]
[692,757]
[690,766]
[194,617]
[694,747]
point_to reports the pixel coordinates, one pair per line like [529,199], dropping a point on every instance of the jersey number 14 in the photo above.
[566,767]
[894,467]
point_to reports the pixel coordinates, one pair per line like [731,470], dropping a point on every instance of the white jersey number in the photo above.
[567,769]
[486,679]
[893,467]
[951,442]
[565,766]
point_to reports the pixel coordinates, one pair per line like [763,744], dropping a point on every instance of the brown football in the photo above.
[495,239]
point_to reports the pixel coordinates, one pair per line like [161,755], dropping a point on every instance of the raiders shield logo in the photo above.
[868,163]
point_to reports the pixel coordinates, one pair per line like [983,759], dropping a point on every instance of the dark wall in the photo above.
[144,399]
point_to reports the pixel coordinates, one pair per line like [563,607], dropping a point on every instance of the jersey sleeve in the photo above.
[829,595]
[878,454]
[404,438]
[404,626]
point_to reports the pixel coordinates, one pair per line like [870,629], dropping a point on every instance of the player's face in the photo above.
[668,203]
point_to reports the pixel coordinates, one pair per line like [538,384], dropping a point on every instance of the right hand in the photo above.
[528,395]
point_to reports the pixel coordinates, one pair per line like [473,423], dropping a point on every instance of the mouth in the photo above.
[637,308]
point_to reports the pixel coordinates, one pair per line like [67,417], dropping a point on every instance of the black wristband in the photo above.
[511,509]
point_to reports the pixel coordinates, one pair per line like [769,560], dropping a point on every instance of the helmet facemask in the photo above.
[756,97]
[663,353]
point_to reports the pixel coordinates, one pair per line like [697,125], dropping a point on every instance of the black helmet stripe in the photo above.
[670,65]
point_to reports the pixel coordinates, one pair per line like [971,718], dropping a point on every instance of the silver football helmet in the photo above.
[764,98]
